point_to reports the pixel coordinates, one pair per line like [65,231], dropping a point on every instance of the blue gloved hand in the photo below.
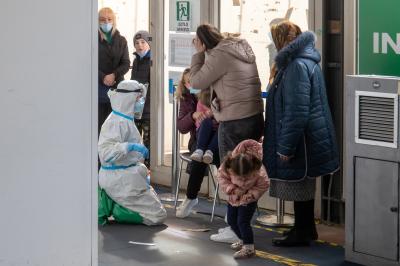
[139,148]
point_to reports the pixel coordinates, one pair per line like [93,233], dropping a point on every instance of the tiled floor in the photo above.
[171,244]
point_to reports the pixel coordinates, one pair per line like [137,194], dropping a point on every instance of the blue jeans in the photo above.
[207,136]
[239,219]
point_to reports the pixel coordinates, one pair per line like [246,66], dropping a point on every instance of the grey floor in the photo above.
[175,245]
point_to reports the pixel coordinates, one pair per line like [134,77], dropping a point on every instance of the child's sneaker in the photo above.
[208,157]
[225,236]
[186,207]
[197,155]
[237,245]
[220,230]
[244,253]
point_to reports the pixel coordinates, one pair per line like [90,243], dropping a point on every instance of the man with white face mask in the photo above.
[141,72]
[125,191]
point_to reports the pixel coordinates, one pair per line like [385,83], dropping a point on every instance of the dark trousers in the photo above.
[239,219]
[231,133]
[207,136]
[197,171]
[104,111]
[304,218]
[144,130]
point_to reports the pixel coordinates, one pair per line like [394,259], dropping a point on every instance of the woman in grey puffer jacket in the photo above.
[228,67]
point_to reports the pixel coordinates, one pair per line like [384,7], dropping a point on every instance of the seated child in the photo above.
[206,128]
[244,179]
[123,178]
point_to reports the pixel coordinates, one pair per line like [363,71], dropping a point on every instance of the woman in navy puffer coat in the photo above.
[299,138]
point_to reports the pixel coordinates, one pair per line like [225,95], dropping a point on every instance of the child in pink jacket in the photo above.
[244,179]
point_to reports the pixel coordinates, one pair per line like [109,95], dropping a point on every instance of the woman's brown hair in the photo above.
[242,164]
[282,34]
[209,35]
[181,89]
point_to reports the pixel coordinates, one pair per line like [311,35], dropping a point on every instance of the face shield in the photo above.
[129,98]
[139,100]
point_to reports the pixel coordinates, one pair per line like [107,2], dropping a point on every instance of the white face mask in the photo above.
[106,27]
[194,91]
[142,54]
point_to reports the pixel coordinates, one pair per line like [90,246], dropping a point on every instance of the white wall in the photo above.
[48,133]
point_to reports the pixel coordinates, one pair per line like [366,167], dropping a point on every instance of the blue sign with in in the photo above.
[171,87]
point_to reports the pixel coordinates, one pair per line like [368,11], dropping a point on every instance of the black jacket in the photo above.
[298,120]
[113,58]
[141,73]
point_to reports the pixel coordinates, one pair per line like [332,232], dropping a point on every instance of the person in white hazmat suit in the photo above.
[125,191]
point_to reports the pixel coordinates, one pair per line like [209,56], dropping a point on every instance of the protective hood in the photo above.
[239,48]
[301,47]
[124,102]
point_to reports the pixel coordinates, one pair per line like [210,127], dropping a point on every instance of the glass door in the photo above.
[131,16]
[182,20]
[173,30]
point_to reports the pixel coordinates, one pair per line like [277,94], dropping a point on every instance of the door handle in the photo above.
[394,209]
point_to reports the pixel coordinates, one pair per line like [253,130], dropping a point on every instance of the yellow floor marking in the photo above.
[281,259]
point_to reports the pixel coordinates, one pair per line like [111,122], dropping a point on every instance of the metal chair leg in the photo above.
[215,198]
[177,185]
[215,186]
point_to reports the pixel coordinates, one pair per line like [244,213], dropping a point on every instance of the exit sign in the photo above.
[183,16]
[182,10]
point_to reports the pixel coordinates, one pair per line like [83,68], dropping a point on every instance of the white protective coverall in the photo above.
[123,174]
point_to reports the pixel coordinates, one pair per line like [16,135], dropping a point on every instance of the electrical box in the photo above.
[371,169]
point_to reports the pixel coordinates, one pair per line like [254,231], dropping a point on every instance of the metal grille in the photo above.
[376,118]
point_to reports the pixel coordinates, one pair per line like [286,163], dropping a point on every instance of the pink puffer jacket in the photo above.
[242,190]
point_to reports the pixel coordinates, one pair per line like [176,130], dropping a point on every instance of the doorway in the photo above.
[131,16]
[172,24]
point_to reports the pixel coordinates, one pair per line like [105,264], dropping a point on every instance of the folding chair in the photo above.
[185,157]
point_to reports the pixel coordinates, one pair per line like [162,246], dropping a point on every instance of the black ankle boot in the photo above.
[314,234]
[285,233]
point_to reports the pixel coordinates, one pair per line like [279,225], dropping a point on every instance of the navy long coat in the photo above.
[298,120]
